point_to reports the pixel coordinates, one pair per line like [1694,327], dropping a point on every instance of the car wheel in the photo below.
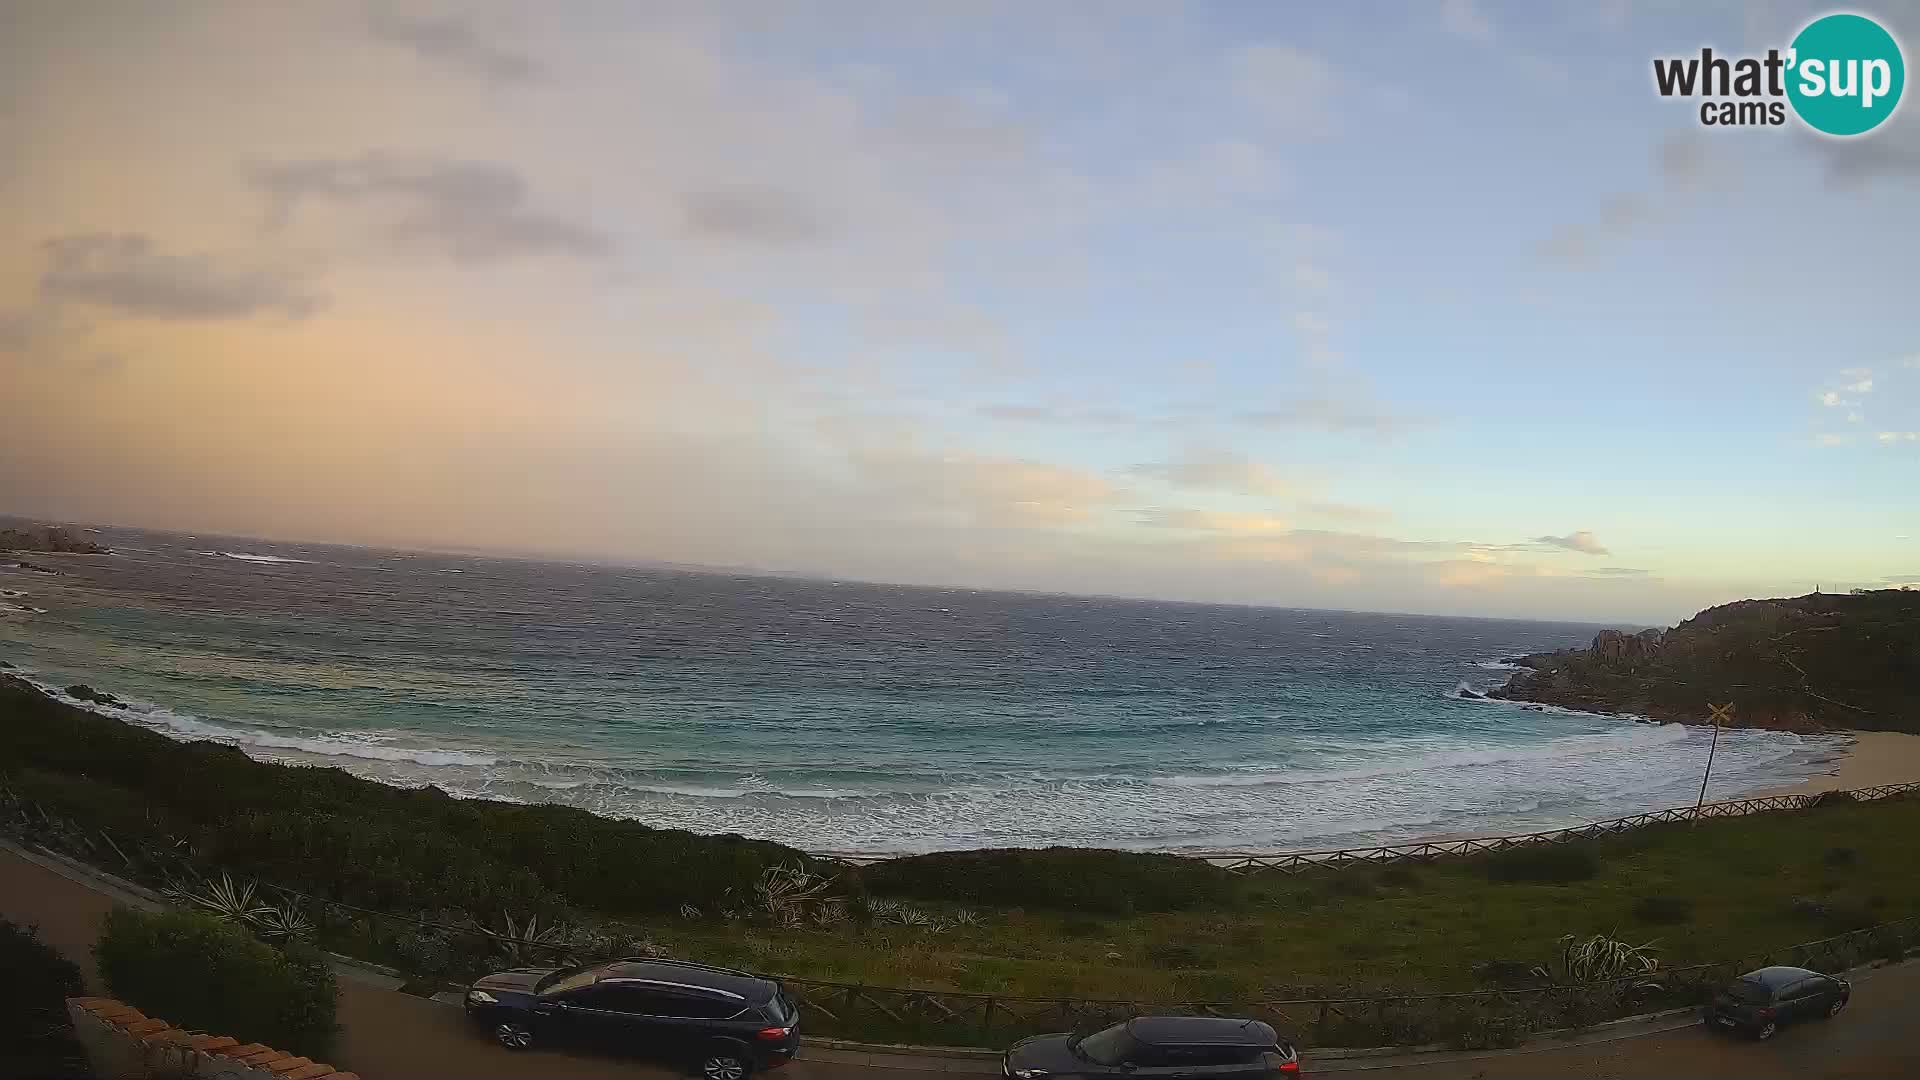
[723,1065]
[1833,1010]
[514,1035]
[1765,1031]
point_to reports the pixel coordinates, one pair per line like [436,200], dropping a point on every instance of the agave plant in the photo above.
[528,941]
[688,911]
[1600,958]
[967,917]
[280,922]
[226,900]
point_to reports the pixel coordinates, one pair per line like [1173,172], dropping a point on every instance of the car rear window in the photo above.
[1748,992]
[781,1009]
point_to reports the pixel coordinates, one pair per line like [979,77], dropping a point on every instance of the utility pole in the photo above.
[1721,713]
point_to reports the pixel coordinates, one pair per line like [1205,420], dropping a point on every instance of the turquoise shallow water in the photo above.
[850,716]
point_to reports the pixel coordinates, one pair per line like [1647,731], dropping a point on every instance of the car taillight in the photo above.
[1766,1014]
[1291,1068]
[773,1034]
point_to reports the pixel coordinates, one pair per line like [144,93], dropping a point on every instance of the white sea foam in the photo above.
[368,746]
[1344,791]
[244,556]
[1500,665]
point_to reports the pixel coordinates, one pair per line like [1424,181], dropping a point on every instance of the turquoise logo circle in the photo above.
[1846,74]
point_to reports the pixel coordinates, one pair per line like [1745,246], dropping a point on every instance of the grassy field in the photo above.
[1039,924]
[1718,890]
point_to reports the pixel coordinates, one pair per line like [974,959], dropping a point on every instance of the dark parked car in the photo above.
[1758,1002]
[724,1023]
[1163,1047]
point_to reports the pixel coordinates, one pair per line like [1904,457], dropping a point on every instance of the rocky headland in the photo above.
[1809,663]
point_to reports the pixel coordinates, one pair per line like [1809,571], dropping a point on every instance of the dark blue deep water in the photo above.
[846,716]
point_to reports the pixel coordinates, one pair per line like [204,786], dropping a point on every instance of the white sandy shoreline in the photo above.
[1871,759]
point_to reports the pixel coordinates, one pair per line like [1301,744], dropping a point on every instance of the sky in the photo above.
[1423,306]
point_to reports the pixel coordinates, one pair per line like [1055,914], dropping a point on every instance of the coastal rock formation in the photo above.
[1806,663]
[48,539]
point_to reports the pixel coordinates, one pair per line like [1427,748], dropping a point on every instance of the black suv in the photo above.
[1758,1002]
[726,1023]
[1163,1047]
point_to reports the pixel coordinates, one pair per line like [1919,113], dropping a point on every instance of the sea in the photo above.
[852,717]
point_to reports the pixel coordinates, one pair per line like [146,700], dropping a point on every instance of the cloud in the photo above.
[1213,521]
[756,215]
[1346,511]
[125,273]
[16,331]
[1327,414]
[1287,87]
[1831,439]
[1898,436]
[1583,542]
[1310,324]
[1617,571]
[451,41]
[1683,161]
[1863,386]
[469,211]
[982,489]
[1911,362]
[1215,470]
[1310,276]
[1463,18]
[1050,414]
[1831,399]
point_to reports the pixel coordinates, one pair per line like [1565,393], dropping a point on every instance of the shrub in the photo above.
[1083,928]
[1079,879]
[35,1037]
[1837,857]
[1179,954]
[198,972]
[1663,910]
[327,832]
[1832,798]
[1553,864]
[1399,877]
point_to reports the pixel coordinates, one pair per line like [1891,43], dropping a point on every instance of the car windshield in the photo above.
[567,979]
[1110,1047]
[1748,992]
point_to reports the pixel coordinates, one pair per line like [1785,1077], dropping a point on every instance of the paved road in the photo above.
[1876,1038]
[393,1036]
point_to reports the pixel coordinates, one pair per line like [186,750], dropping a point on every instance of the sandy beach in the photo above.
[1875,758]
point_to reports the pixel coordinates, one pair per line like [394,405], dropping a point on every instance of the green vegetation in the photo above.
[325,831]
[1035,924]
[1556,864]
[1078,879]
[1809,662]
[36,1038]
[195,971]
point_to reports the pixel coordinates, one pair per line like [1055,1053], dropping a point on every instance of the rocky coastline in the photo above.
[1813,663]
[50,540]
